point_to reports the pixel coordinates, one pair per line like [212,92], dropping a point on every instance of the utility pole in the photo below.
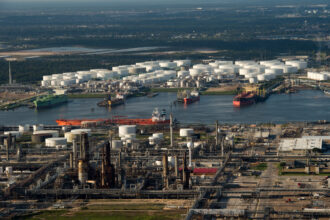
[171,129]
[216,133]
[9,72]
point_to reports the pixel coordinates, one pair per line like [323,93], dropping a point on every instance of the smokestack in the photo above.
[71,160]
[171,129]
[216,134]
[74,151]
[176,166]
[10,76]
[165,170]
[185,173]
[8,145]
[107,169]
[84,146]
[19,153]
[82,172]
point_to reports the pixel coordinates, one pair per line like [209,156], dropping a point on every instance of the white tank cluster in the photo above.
[161,71]
[319,76]
[157,70]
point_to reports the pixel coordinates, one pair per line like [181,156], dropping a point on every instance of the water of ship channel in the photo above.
[308,105]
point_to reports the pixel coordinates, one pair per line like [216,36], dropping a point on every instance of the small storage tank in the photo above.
[126,129]
[17,134]
[38,127]
[253,80]
[40,138]
[116,144]
[158,163]
[171,161]
[186,132]
[53,142]
[158,135]
[9,170]
[80,131]
[23,128]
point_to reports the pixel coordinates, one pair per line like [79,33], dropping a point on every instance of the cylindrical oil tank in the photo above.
[9,170]
[126,129]
[151,140]
[71,136]
[253,80]
[186,132]
[80,131]
[53,142]
[40,138]
[17,134]
[116,144]
[158,135]
[23,128]
[171,160]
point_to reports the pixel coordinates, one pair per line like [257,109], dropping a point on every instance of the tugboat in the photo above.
[192,97]
[188,97]
[111,102]
[326,92]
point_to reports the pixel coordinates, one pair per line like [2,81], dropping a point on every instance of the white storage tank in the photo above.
[253,80]
[53,142]
[158,136]
[182,62]
[116,144]
[23,128]
[82,130]
[126,129]
[171,161]
[186,132]
[9,170]
[17,134]
[297,63]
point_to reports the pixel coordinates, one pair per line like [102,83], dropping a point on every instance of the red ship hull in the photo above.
[139,121]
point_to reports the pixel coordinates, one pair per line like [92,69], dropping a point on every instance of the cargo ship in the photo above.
[157,118]
[112,101]
[244,99]
[49,101]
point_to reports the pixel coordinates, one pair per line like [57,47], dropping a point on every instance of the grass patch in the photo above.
[127,207]
[260,166]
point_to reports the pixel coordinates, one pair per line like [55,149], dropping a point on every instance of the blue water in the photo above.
[306,105]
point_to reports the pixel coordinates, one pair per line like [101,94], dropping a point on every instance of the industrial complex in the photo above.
[243,171]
